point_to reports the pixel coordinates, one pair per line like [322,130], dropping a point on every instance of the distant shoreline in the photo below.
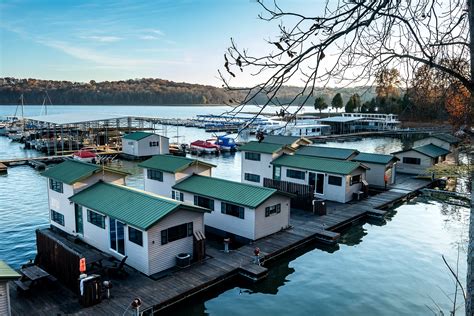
[181,105]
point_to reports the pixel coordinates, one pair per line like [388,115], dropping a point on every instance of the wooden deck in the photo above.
[181,284]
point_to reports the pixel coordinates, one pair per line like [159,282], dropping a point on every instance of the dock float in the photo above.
[3,168]
[158,295]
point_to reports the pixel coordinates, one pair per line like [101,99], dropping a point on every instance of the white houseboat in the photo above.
[161,172]
[138,145]
[241,211]
[150,230]
[67,179]
[416,160]
[333,180]
[257,158]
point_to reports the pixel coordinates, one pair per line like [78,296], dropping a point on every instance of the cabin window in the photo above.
[204,202]
[271,210]
[154,144]
[252,177]
[411,161]
[96,219]
[176,233]
[295,174]
[333,180]
[176,195]
[56,185]
[57,217]
[232,210]
[252,156]
[155,175]
[355,179]
[130,143]
[135,236]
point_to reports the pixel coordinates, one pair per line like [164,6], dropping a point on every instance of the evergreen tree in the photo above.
[320,104]
[337,102]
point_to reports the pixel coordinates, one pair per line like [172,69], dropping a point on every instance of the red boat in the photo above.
[202,146]
[85,155]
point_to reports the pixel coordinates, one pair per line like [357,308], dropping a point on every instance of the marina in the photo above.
[219,268]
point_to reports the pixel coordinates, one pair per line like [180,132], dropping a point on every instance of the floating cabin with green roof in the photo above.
[417,159]
[332,179]
[161,172]
[245,212]
[69,178]
[150,229]
[140,145]
[383,168]
[291,141]
[257,157]
[6,274]
[443,140]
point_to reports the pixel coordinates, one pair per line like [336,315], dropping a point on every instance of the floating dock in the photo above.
[158,295]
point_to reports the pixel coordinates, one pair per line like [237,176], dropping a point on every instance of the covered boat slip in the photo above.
[179,285]
[62,133]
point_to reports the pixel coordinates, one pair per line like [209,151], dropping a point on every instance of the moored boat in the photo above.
[85,155]
[226,143]
[202,146]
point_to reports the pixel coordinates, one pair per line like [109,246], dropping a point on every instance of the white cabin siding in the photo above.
[351,189]
[242,227]
[263,168]
[162,257]
[59,202]
[376,174]
[265,226]
[142,148]
[137,255]
[159,187]
[94,235]
[425,162]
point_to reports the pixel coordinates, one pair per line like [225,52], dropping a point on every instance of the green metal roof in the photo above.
[431,150]
[447,138]
[283,140]
[374,158]
[71,171]
[172,164]
[7,273]
[326,152]
[317,164]
[265,148]
[137,135]
[229,191]
[135,207]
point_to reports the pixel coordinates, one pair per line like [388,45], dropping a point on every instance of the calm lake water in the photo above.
[394,268]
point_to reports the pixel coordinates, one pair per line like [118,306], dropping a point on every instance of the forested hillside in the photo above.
[142,92]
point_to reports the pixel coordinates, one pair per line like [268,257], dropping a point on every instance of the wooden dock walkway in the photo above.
[157,295]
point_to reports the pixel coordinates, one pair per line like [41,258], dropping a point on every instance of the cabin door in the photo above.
[117,235]
[277,173]
[79,222]
[320,183]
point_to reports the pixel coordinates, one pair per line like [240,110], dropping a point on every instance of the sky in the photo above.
[102,40]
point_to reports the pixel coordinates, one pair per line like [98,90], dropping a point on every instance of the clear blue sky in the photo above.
[121,39]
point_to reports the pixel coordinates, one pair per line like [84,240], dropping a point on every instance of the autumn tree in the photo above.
[320,104]
[457,105]
[337,102]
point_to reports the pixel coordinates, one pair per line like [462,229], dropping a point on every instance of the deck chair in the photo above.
[118,270]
